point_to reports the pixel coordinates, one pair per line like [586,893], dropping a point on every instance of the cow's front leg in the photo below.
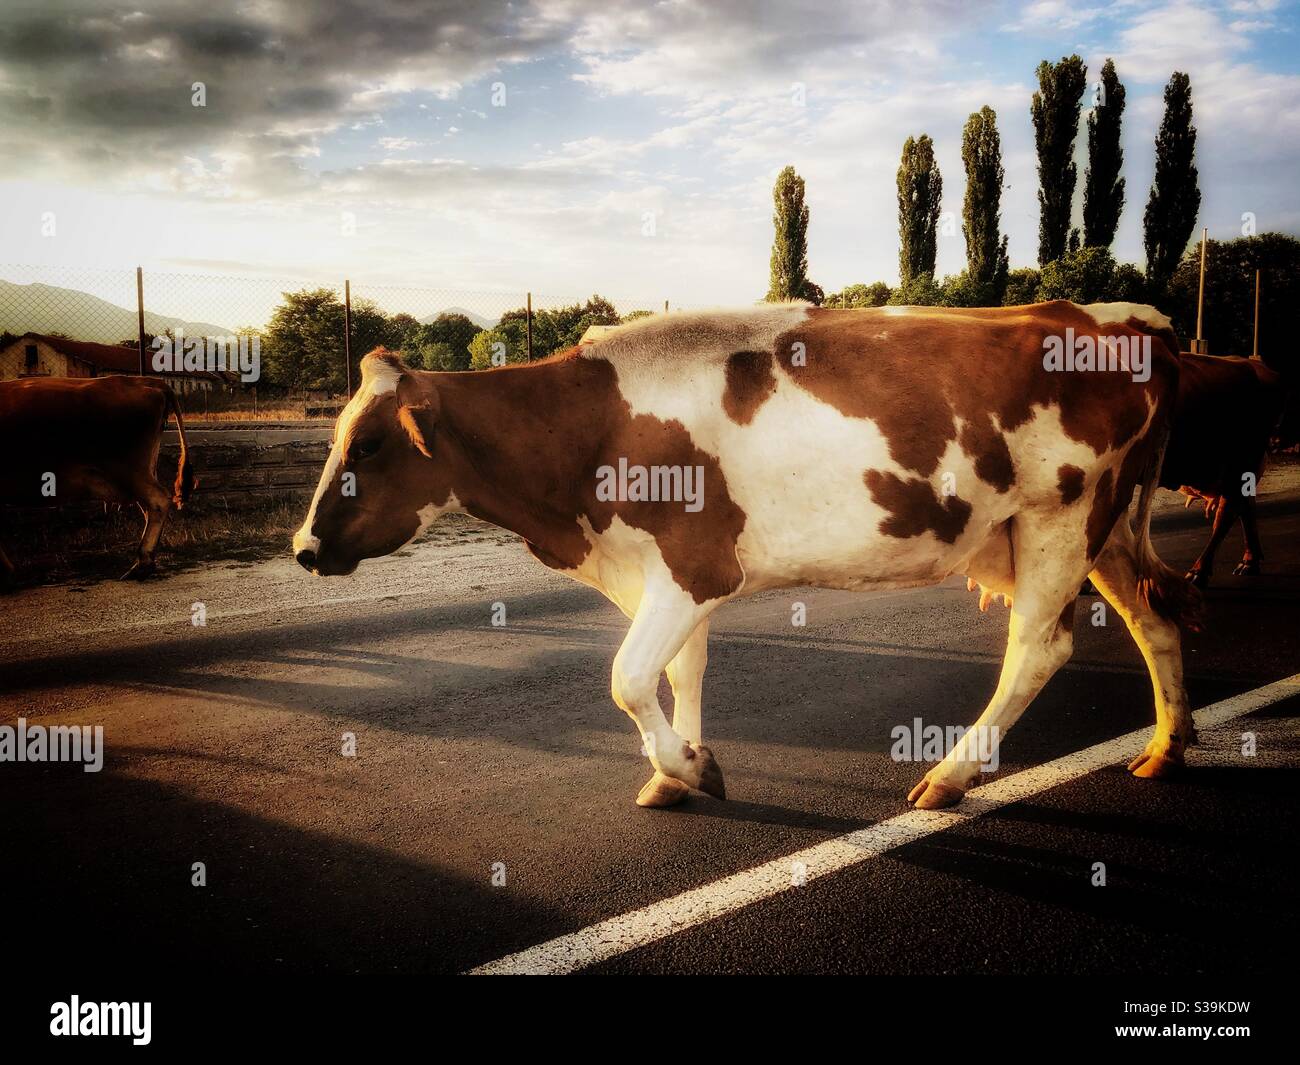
[664,621]
[686,676]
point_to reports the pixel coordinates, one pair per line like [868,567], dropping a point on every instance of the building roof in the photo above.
[115,357]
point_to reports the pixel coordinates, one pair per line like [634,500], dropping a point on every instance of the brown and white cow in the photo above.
[1228,409]
[789,445]
[68,440]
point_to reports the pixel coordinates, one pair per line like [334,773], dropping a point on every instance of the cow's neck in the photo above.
[523,440]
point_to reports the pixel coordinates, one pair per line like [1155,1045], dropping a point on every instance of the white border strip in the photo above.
[628,931]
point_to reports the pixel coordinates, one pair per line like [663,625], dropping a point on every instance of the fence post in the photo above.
[1254,352]
[665,306]
[139,310]
[1200,346]
[347,333]
[530,327]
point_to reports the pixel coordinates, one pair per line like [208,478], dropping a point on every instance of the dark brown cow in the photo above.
[1228,408]
[68,440]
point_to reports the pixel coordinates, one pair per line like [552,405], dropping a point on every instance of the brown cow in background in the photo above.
[1228,410]
[68,440]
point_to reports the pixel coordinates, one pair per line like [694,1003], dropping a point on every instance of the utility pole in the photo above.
[1200,298]
[347,333]
[139,309]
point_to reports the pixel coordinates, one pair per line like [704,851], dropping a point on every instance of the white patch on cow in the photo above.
[1119,314]
[378,378]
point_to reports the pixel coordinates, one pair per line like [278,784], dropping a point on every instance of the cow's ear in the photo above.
[417,410]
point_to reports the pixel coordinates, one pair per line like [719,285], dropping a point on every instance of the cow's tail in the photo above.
[186,482]
[1160,587]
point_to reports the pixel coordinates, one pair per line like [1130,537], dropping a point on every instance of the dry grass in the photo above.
[97,542]
[264,414]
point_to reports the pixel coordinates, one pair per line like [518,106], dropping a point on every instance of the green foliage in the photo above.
[1022,287]
[981,155]
[445,341]
[302,346]
[1230,297]
[437,356]
[557,328]
[1089,275]
[789,264]
[963,290]
[920,291]
[873,295]
[920,191]
[632,316]
[505,341]
[1055,111]
[1175,197]
[1103,188]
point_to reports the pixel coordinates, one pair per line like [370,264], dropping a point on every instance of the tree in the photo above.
[444,341]
[1022,287]
[498,346]
[986,250]
[1090,275]
[1230,296]
[1103,188]
[789,265]
[302,346]
[873,295]
[1175,197]
[921,291]
[920,190]
[1055,111]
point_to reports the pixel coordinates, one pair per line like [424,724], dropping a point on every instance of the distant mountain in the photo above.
[477,319]
[38,308]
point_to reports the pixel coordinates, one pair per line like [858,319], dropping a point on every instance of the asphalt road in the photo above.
[490,753]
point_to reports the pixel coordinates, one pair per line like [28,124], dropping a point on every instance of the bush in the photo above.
[873,295]
[921,291]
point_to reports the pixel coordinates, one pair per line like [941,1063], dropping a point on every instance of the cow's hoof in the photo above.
[935,795]
[661,790]
[1198,578]
[1246,569]
[710,773]
[140,571]
[1152,765]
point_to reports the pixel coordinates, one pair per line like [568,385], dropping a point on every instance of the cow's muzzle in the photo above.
[306,559]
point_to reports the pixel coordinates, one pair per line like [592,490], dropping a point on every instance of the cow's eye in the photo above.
[363,449]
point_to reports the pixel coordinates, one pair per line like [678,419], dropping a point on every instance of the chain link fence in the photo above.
[272,347]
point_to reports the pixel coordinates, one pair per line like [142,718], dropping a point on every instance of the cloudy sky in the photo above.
[505,146]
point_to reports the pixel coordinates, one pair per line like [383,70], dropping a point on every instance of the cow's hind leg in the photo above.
[154,504]
[1254,553]
[1050,565]
[665,619]
[686,676]
[1116,577]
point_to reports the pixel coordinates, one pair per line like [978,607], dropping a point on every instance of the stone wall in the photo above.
[244,462]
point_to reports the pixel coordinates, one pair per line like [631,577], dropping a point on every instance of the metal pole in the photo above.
[530,327]
[1200,297]
[347,334]
[1254,350]
[139,308]
[665,306]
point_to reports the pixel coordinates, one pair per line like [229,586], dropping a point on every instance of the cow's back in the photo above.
[887,440]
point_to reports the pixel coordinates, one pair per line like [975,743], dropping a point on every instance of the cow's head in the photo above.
[382,483]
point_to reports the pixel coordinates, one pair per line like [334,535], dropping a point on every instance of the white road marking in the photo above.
[629,931]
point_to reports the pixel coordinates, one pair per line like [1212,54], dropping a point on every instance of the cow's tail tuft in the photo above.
[186,482]
[1160,587]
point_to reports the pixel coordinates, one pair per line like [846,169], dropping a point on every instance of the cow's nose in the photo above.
[306,558]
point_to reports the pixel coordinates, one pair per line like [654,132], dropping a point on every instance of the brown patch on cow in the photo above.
[537,476]
[916,374]
[1069,482]
[750,382]
[1066,620]
[914,507]
[988,447]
